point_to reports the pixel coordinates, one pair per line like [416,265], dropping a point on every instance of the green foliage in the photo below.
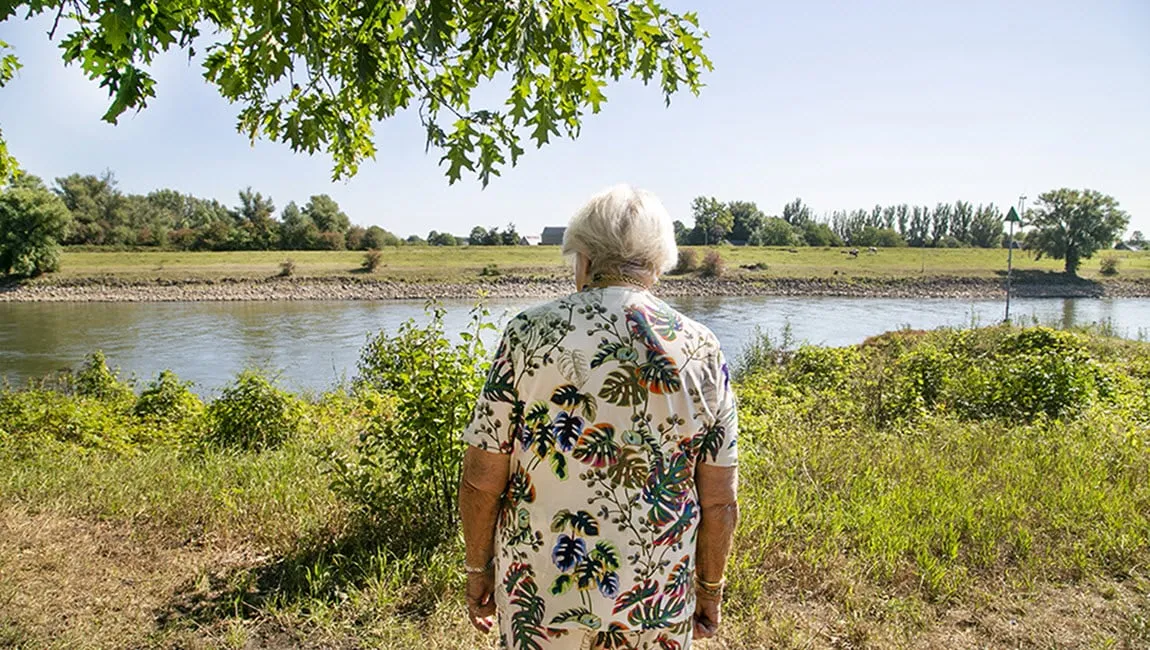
[1072,225]
[713,220]
[319,78]
[37,419]
[926,460]
[776,232]
[170,401]
[33,222]
[490,271]
[747,218]
[820,234]
[9,64]
[96,380]
[713,265]
[287,268]
[377,238]
[324,212]
[252,414]
[418,389]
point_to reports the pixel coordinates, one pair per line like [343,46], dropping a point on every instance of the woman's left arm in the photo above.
[481,491]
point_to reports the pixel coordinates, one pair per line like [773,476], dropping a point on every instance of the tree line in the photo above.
[951,225]
[102,215]
[1065,224]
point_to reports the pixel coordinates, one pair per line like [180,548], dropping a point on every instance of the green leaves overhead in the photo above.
[319,74]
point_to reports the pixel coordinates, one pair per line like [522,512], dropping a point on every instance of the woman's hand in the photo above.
[481,600]
[707,615]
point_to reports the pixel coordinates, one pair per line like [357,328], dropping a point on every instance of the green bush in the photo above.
[252,415]
[169,400]
[418,389]
[35,418]
[95,379]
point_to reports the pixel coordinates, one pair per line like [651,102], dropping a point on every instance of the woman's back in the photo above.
[606,400]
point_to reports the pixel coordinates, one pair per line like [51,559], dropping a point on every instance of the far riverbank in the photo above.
[113,289]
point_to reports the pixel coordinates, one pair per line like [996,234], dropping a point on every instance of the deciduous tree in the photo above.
[1072,225]
[318,75]
[33,222]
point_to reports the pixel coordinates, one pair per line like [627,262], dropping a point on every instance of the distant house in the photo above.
[552,236]
[530,240]
[1127,246]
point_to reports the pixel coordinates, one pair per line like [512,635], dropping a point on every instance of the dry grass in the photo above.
[71,582]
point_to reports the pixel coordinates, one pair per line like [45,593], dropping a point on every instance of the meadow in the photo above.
[957,488]
[465,264]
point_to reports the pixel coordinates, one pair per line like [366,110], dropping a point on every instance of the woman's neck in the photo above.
[618,280]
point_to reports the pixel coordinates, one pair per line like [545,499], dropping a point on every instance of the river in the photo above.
[314,345]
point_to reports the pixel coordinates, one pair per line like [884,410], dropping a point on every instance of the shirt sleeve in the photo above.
[720,445]
[498,407]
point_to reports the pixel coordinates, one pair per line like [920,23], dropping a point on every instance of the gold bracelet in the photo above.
[711,586]
[483,569]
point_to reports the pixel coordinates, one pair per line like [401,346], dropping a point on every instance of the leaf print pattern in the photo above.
[606,401]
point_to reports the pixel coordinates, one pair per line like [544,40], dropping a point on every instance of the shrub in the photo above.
[287,268]
[419,388]
[95,379]
[688,262]
[372,260]
[168,400]
[1109,265]
[491,270]
[31,419]
[713,265]
[252,414]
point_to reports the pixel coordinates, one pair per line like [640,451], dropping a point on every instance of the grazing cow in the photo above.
[854,252]
[872,250]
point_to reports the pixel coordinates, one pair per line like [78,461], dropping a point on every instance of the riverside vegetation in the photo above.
[954,488]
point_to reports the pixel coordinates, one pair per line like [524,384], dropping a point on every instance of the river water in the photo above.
[314,345]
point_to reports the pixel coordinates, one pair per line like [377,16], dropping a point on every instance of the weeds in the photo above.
[713,265]
[688,262]
[372,260]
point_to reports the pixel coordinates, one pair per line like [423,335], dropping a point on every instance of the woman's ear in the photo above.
[582,271]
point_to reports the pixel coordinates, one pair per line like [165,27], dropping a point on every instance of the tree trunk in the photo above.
[1072,262]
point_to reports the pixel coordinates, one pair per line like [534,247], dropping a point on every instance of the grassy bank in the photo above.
[443,264]
[978,488]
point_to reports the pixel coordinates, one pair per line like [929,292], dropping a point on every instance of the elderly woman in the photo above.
[598,493]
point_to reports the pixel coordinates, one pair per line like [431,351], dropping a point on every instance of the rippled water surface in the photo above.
[312,345]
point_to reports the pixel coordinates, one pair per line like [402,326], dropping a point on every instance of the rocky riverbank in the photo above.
[354,288]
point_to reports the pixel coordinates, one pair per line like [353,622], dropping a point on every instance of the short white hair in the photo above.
[623,230]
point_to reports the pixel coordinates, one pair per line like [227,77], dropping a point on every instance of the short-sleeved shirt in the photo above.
[606,400]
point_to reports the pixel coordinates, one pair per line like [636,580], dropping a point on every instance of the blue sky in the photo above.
[845,104]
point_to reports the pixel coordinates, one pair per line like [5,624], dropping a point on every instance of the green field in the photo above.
[953,489]
[464,264]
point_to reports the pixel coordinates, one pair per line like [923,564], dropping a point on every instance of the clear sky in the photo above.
[845,104]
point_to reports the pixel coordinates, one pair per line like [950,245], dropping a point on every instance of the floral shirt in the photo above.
[606,400]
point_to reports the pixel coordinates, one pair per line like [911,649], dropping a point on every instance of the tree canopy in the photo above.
[1072,225]
[318,76]
[33,221]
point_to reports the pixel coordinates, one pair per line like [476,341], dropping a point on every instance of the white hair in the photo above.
[623,230]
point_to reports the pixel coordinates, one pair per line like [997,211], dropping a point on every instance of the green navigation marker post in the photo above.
[1011,218]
